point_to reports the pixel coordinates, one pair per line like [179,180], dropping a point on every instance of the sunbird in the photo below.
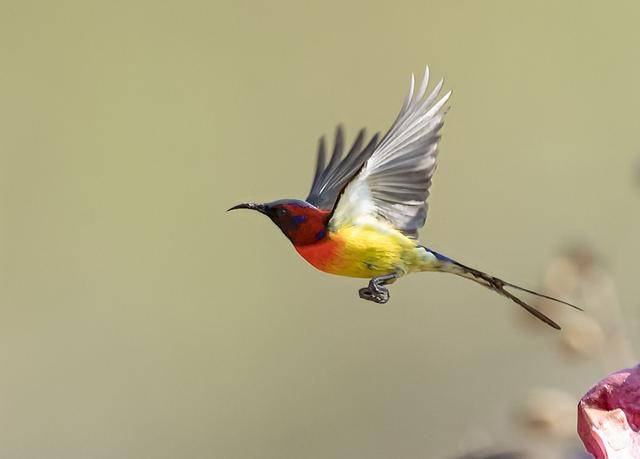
[363,212]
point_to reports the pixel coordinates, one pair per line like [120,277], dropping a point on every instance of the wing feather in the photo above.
[395,180]
[330,180]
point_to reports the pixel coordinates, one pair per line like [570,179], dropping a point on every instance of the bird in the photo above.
[363,211]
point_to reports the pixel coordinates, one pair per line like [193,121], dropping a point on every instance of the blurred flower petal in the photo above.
[583,337]
[550,412]
[609,416]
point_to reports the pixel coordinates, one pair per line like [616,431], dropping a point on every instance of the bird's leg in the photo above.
[376,291]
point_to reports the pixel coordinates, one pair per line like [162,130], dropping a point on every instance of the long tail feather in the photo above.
[498,286]
[508,284]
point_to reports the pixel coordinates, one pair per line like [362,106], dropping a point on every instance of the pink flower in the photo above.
[609,416]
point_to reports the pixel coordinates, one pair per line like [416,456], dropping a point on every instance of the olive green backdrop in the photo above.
[139,320]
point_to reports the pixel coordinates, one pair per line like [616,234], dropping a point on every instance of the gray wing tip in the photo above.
[331,178]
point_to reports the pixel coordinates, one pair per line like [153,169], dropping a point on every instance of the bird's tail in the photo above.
[497,285]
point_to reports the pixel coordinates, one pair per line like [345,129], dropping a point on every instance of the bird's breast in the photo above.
[360,251]
[324,254]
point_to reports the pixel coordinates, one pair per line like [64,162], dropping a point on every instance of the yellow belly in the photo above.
[365,251]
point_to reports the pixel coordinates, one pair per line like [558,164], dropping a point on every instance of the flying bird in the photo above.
[364,209]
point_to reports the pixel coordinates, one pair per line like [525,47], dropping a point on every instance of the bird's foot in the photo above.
[376,293]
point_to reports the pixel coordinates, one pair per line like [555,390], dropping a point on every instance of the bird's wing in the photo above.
[394,182]
[330,179]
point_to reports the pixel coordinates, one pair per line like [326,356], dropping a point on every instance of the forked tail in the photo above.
[497,285]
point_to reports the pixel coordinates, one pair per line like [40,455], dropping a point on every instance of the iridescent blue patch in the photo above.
[438,256]
[298,219]
[320,235]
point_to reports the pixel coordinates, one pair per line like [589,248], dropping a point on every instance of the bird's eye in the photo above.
[281,211]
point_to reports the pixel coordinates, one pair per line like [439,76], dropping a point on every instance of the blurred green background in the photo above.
[138,319]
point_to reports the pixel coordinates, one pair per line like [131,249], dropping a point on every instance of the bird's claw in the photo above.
[375,293]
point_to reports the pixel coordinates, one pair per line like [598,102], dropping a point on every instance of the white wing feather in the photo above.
[394,182]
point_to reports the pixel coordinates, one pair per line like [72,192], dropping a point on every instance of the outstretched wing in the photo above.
[330,179]
[394,182]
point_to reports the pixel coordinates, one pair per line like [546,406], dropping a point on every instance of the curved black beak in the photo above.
[250,205]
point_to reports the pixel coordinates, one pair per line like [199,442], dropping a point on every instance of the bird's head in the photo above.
[301,222]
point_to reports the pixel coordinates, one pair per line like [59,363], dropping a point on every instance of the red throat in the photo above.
[308,224]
